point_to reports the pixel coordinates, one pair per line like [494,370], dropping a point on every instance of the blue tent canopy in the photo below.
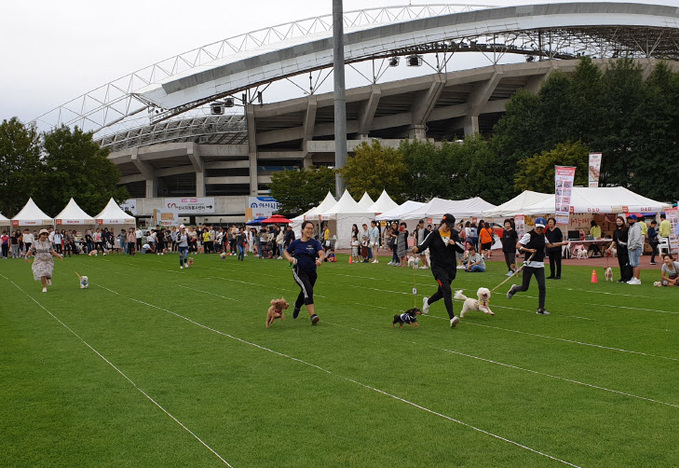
[256,221]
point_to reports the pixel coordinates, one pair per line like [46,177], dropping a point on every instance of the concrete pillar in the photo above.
[252,147]
[200,184]
[471,125]
[417,132]
[151,187]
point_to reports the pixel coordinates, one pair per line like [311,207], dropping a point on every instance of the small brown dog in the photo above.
[276,310]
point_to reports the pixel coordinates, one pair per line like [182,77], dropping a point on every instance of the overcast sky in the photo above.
[54,51]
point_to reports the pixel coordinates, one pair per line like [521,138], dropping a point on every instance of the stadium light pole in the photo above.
[340,93]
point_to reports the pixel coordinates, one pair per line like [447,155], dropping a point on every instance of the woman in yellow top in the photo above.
[595,232]
[486,239]
[326,238]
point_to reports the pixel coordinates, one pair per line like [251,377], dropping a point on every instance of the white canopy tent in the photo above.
[342,216]
[314,213]
[398,212]
[437,207]
[31,215]
[601,200]
[113,216]
[4,221]
[383,204]
[517,204]
[366,202]
[72,214]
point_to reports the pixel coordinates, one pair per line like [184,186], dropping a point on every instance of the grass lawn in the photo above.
[154,366]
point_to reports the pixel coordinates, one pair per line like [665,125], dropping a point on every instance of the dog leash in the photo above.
[515,273]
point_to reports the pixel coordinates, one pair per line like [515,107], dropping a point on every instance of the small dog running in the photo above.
[409,316]
[84,282]
[276,310]
[608,273]
[482,304]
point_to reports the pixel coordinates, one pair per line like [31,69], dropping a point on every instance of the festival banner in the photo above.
[165,218]
[520,225]
[190,205]
[261,207]
[563,188]
[594,169]
[672,215]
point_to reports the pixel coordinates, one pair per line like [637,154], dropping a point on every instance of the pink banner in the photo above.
[563,188]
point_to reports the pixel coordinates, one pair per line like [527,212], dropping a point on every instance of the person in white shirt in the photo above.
[635,244]
[374,240]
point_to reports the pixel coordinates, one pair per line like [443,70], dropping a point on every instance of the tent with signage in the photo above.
[4,221]
[32,216]
[517,204]
[73,215]
[342,216]
[383,203]
[112,216]
[603,200]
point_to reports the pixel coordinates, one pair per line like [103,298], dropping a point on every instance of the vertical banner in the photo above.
[594,169]
[563,188]
[520,225]
[673,217]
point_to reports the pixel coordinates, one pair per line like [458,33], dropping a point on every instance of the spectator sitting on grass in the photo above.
[475,262]
[669,272]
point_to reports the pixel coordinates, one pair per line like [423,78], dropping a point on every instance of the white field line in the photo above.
[415,405]
[122,373]
[523,369]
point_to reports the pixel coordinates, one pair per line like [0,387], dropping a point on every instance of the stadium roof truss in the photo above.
[152,105]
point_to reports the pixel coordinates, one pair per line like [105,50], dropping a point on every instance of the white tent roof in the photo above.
[31,215]
[73,214]
[601,200]
[327,203]
[399,210]
[113,214]
[345,205]
[4,221]
[517,204]
[366,202]
[437,207]
[383,204]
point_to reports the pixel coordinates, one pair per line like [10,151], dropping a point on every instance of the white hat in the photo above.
[181,226]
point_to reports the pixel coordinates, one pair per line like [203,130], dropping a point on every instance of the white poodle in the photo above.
[482,304]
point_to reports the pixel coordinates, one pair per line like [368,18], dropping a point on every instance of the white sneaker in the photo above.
[460,267]
[425,305]
[509,273]
[181,267]
[424,267]
[49,282]
[376,261]
[454,321]
[634,281]
[44,289]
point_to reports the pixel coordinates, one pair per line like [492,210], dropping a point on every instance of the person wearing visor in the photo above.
[533,243]
[443,243]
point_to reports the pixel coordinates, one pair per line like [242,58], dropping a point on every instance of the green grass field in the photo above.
[156,367]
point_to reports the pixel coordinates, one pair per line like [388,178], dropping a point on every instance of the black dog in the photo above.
[409,316]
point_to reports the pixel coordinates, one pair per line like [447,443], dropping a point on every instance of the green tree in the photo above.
[76,166]
[429,170]
[20,166]
[300,190]
[373,169]
[537,173]
[479,173]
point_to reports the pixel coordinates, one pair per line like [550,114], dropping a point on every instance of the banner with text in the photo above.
[563,188]
[190,205]
[594,169]
[259,207]
[165,218]
[672,215]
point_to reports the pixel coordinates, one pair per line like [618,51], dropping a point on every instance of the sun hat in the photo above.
[43,231]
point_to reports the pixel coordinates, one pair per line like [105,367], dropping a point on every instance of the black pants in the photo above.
[654,251]
[623,263]
[510,259]
[555,263]
[539,273]
[444,277]
[306,281]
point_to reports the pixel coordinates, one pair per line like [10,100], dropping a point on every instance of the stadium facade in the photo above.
[198,125]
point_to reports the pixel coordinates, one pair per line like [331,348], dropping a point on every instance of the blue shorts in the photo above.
[634,257]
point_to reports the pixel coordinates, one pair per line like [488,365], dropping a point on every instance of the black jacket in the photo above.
[442,255]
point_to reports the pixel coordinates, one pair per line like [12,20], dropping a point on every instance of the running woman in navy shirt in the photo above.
[305,255]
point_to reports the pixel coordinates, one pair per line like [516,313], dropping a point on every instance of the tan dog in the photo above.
[276,310]
[608,273]
[482,304]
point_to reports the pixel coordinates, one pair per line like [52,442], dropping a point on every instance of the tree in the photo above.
[20,166]
[429,172]
[480,173]
[300,190]
[537,173]
[76,166]
[373,169]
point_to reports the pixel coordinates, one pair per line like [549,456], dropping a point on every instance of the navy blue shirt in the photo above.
[305,253]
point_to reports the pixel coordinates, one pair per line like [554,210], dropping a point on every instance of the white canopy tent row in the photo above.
[601,200]
[366,202]
[517,204]
[342,216]
[112,216]
[383,203]
[32,216]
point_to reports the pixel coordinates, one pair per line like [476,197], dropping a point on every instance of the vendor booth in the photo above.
[73,215]
[113,217]
[342,216]
[32,217]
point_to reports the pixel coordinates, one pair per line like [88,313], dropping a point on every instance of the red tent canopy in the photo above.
[276,219]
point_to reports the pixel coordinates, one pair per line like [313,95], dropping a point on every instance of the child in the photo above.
[331,256]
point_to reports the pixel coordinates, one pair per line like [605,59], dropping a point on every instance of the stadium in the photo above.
[213,124]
